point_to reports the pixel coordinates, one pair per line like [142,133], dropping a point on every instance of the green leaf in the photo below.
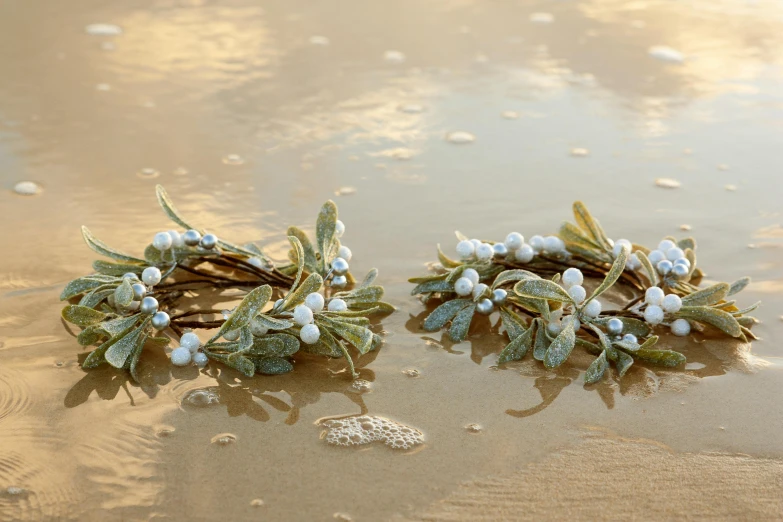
[590,225]
[561,347]
[542,289]
[105,250]
[651,272]
[324,233]
[359,337]
[438,285]
[118,353]
[596,369]
[517,348]
[724,321]
[612,276]
[123,294]
[687,242]
[513,324]
[707,296]
[369,278]
[446,261]
[623,362]
[85,284]
[738,285]
[90,335]
[115,269]
[660,357]
[461,324]
[327,345]
[513,275]
[312,284]
[168,207]
[93,298]
[542,342]
[310,261]
[253,302]
[119,325]
[367,295]
[272,366]
[299,259]
[633,326]
[82,315]
[133,361]
[444,313]
[746,310]
[273,323]
[572,234]
[278,345]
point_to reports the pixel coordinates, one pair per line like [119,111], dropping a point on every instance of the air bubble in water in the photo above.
[148,173]
[14,490]
[164,431]
[364,429]
[361,385]
[201,398]
[103,30]
[233,159]
[411,372]
[666,54]
[27,188]
[473,428]
[345,517]
[224,439]
[460,137]
[256,502]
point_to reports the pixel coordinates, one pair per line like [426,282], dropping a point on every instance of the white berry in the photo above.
[573,276]
[479,289]
[151,275]
[577,293]
[514,241]
[162,241]
[345,253]
[537,242]
[553,245]
[633,263]
[303,315]
[666,245]
[465,249]
[190,341]
[554,327]
[337,305]
[664,267]
[671,303]
[471,274]
[593,308]
[180,356]
[231,335]
[257,327]
[656,256]
[177,241]
[618,246]
[314,302]
[200,359]
[463,286]
[310,334]
[681,327]
[484,252]
[653,314]
[674,254]
[339,228]
[572,319]
[654,296]
[525,254]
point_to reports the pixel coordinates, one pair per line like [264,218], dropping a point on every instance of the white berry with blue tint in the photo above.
[500,249]
[466,249]
[309,334]
[257,327]
[654,296]
[499,296]
[618,246]
[208,242]
[162,241]
[681,327]
[314,302]
[345,253]
[614,326]
[340,266]
[339,228]
[463,286]
[339,281]
[572,276]
[578,294]
[200,359]
[191,237]
[176,239]
[633,263]
[484,252]
[673,254]
[664,267]
[479,289]
[554,245]
[180,356]
[525,254]
[680,271]
[655,257]
[151,275]
[630,338]
[160,320]
[514,241]
[537,243]
[471,274]
[485,307]
[593,308]
[303,315]
[149,305]
[337,305]
[671,304]
[666,245]
[190,341]
[653,314]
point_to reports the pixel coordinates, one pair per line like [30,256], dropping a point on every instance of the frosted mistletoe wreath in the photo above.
[128,302]
[507,277]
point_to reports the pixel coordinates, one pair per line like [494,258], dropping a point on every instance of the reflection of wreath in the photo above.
[505,277]
[122,304]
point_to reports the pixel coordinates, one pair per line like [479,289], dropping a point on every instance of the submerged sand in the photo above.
[252,115]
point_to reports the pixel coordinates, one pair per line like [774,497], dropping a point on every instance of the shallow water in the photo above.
[252,115]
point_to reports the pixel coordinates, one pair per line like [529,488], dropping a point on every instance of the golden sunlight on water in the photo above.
[418,118]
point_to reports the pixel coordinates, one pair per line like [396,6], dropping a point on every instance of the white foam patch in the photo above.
[356,431]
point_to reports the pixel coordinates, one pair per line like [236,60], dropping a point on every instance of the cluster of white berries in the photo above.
[572,280]
[172,239]
[188,351]
[468,285]
[514,247]
[340,265]
[659,304]
[670,260]
[633,263]
[148,305]
[615,327]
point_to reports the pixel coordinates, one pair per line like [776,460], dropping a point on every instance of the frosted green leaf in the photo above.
[298,259]
[596,369]
[627,345]
[82,315]
[571,234]
[433,277]
[105,250]
[443,314]
[738,285]
[246,310]
[461,236]
[359,337]
[168,207]
[310,261]
[649,270]
[513,324]
[312,284]
[108,268]
[94,298]
[326,242]
[542,342]
[327,345]
[746,310]
[273,366]
[542,289]
[612,276]
[687,242]
[133,360]
[724,321]
[623,362]
[278,345]
[273,323]
[446,261]
[118,353]
[606,343]
[90,335]
[455,274]
[561,347]
[369,278]
[660,357]
[367,295]
[123,294]
[707,296]
[119,325]
[85,284]
[633,326]
[590,225]
[461,324]
[517,348]
[433,286]
[513,275]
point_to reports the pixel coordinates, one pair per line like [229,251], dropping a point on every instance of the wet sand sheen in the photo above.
[417,119]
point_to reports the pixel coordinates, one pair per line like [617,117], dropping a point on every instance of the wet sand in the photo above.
[252,115]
